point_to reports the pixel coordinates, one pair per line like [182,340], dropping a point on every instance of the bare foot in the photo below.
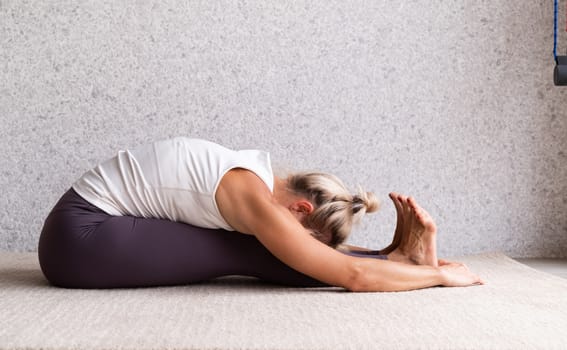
[416,232]
[398,232]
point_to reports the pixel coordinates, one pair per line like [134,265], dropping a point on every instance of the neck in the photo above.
[281,193]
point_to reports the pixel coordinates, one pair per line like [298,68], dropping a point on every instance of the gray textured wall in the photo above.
[451,102]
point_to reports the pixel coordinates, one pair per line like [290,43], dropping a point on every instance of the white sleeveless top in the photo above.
[172,179]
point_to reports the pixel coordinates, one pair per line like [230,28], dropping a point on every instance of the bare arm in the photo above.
[247,205]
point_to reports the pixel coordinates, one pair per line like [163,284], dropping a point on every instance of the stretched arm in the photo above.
[247,205]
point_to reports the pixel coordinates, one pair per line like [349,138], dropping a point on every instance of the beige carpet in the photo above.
[519,308]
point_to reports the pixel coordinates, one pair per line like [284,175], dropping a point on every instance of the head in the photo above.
[326,207]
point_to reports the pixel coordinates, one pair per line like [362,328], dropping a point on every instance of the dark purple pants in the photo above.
[83,247]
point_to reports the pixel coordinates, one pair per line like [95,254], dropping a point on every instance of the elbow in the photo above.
[355,286]
[357,278]
[361,281]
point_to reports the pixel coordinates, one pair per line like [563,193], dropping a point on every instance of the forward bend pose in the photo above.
[185,210]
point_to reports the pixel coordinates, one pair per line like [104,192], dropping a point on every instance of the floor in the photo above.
[491,318]
[556,267]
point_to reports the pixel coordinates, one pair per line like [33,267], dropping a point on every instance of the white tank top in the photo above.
[172,179]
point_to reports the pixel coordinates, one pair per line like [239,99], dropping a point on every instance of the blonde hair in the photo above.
[336,210]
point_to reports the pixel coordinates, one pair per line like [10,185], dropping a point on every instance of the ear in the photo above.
[301,208]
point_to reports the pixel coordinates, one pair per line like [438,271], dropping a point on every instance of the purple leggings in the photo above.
[81,246]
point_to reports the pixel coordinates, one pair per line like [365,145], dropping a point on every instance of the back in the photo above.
[173,179]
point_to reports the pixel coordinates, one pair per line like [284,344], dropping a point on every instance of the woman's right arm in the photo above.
[251,210]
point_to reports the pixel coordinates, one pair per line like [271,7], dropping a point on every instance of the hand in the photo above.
[457,275]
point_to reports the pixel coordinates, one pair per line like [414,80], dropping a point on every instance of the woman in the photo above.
[163,214]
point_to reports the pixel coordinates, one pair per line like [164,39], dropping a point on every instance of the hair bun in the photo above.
[368,199]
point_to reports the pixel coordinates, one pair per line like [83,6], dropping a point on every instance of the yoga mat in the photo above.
[518,308]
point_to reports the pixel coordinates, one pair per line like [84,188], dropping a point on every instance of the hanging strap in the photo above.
[555,30]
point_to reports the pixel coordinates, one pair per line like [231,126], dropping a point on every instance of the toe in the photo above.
[420,213]
[399,208]
[404,203]
[403,199]
[413,205]
[395,198]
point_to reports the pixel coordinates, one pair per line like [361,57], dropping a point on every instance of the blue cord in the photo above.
[555,30]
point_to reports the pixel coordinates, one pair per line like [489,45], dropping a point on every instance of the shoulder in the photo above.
[243,181]
[248,206]
[242,197]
